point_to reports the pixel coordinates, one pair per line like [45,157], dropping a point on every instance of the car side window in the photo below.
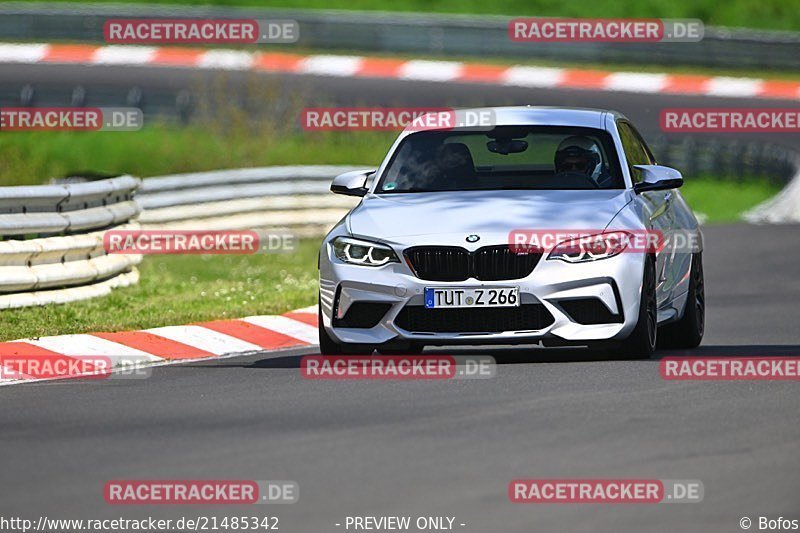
[636,151]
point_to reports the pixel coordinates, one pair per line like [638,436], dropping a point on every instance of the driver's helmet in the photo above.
[578,154]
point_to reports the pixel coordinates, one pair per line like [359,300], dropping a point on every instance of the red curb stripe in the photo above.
[266,338]
[685,84]
[23,349]
[155,345]
[277,62]
[306,318]
[475,72]
[388,68]
[780,89]
[177,57]
[584,79]
[376,67]
[69,53]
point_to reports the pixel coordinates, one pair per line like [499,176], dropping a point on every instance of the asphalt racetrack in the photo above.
[443,448]
[435,448]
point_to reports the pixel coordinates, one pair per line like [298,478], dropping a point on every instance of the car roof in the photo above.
[547,116]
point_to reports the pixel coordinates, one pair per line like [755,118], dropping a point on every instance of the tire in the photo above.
[688,331]
[642,341]
[328,346]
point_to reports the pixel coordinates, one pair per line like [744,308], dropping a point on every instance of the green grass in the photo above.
[777,14]
[31,158]
[726,200]
[182,290]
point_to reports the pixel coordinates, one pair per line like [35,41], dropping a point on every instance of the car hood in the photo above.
[393,216]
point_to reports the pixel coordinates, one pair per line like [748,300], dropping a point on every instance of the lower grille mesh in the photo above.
[420,319]
[589,311]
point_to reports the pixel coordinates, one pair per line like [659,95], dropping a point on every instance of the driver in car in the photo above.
[581,155]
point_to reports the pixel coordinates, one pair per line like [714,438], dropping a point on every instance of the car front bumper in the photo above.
[616,282]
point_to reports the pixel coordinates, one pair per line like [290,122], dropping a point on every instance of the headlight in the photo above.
[358,252]
[584,248]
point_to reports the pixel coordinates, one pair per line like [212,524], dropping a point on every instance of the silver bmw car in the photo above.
[553,227]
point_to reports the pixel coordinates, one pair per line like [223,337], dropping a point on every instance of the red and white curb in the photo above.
[387,68]
[170,344]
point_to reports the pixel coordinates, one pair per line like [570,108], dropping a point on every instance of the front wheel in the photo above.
[688,331]
[642,341]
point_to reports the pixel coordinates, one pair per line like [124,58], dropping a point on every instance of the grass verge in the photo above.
[726,200]
[182,290]
[30,158]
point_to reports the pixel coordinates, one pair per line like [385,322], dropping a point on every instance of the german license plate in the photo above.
[440,297]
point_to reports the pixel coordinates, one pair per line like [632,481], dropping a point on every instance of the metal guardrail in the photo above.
[730,159]
[51,241]
[287,197]
[416,34]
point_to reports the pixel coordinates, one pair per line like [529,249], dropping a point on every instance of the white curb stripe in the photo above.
[331,65]
[533,76]
[22,53]
[633,81]
[88,345]
[722,86]
[422,70]
[205,339]
[226,60]
[286,326]
[124,55]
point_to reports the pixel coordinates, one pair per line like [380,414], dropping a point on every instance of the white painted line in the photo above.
[22,53]
[326,65]
[226,60]
[310,309]
[83,344]
[636,82]
[722,86]
[286,326]
[430,70]
[533,76]
[205,339]
[124,55]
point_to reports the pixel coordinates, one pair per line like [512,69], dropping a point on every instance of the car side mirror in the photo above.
[352,183]
[657,178]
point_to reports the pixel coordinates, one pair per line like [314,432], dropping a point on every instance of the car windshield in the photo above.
[506,157]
